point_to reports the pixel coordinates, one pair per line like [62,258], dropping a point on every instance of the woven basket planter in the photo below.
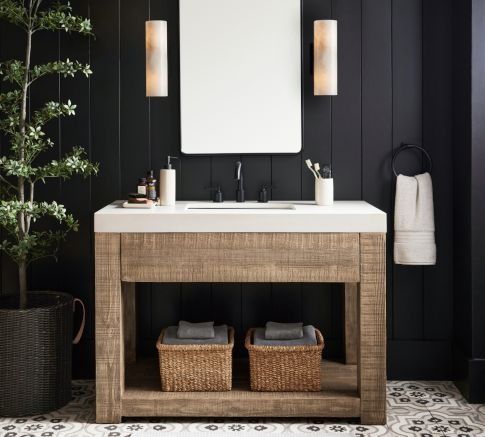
[35,353]
[285,368]
[204,367]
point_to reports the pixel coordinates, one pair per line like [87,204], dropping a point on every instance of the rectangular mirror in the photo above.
[240,76]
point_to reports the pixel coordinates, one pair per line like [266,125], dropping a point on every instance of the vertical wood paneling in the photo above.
[145,306]
[437,112]
[165,307]
[195,174]
[377,181]
[222,174]
[197,302]
[135,153]
[346,107]
[462,157]
[105,102]
[256,305]
[316,308]
[227,309]
[407,128]
[258,171]
[286,177]
[286,303]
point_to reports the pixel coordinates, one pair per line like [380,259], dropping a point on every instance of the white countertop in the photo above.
[305,216]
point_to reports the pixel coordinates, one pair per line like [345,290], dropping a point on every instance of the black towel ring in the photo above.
[407,147]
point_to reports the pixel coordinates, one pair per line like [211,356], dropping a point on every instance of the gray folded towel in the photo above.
[309,338]
[202,331]
[283,331]
[220,337]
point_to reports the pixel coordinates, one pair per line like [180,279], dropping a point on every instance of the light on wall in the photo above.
[156,58]
[325,58]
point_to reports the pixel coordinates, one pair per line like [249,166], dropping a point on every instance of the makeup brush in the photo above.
[317,169]
[309,165]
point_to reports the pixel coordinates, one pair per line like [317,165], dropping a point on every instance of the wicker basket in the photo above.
[285,368]
[35,353]
[204,367]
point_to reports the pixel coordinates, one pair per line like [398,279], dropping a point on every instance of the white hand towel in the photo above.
[414,239]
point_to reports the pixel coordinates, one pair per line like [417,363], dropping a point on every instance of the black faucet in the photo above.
[240,184]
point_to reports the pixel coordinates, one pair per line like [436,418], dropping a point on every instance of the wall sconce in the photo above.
[156,58]
[325,58]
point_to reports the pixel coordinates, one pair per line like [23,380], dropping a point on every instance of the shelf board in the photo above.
[143,397]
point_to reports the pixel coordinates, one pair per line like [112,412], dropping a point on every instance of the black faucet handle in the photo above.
[263,193]
[218,194]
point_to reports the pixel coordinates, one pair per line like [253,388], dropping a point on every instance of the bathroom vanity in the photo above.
[275,242]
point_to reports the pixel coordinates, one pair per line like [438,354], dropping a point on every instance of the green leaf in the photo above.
[60,17]
[71,164]
[65,68]
[13,12]
[13,71]
[53,110]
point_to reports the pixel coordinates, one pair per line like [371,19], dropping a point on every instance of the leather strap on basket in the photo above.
[79,334]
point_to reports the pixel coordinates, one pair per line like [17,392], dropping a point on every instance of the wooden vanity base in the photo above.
[348,390]
[338,398]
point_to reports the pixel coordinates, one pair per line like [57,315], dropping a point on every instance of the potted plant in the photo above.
[35,327]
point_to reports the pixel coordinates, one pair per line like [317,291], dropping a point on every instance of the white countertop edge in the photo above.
[342,217]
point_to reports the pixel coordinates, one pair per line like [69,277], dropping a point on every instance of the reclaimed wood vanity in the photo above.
[285,242]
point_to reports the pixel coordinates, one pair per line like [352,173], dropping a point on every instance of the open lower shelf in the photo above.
[142,396]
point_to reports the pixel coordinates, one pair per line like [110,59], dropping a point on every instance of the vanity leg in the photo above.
[372,333]
[109,335]
[351,328]
[129,321]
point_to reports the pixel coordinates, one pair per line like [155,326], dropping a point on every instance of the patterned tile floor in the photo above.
[422,409]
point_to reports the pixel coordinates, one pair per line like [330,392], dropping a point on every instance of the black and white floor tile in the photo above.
[420,409]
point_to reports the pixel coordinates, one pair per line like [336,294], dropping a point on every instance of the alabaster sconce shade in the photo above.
[325,67]
[156,58]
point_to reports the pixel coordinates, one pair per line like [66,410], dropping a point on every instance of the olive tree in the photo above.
[22,127]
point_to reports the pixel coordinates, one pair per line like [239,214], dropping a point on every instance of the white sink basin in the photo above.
[245,205]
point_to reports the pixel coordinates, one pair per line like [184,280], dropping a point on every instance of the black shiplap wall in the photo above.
[469,206]
[395,86]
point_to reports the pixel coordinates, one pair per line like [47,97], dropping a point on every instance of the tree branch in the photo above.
[8,182]
[31,201]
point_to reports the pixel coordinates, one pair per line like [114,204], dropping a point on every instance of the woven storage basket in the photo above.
[202,367]
[35,353]
[285,368]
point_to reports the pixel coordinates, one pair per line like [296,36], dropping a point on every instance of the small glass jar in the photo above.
[142,186]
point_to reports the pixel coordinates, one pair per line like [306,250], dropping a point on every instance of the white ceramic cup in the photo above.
[324,192]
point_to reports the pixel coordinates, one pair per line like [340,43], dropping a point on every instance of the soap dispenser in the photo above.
[168,183]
